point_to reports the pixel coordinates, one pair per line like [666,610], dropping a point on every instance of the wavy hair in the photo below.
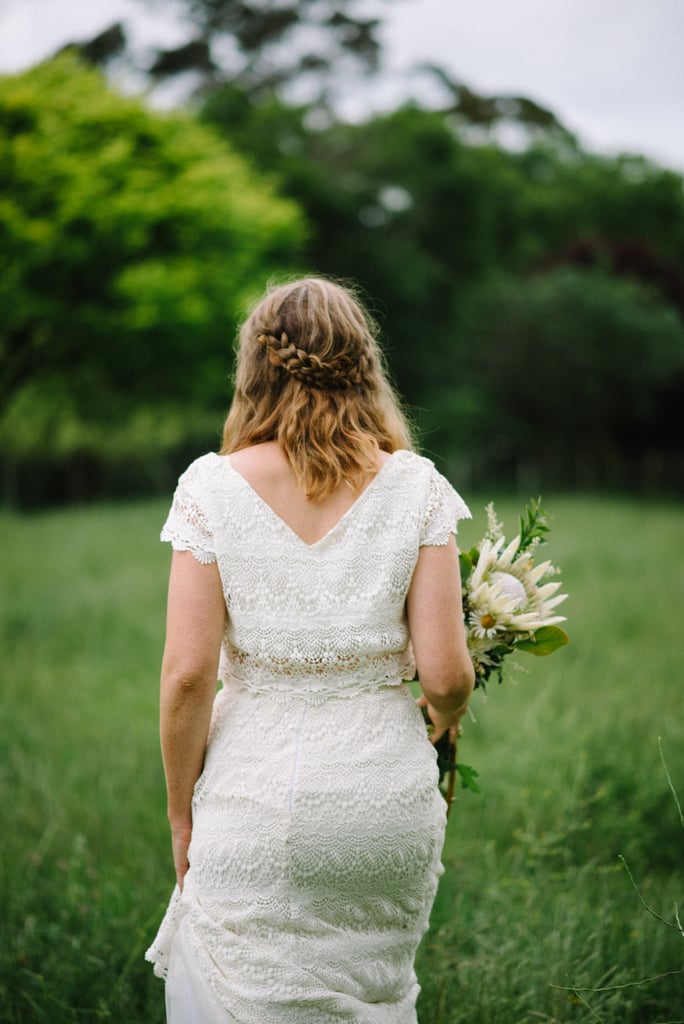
[311,376]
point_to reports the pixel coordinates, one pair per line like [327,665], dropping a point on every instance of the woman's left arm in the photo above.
[194,629]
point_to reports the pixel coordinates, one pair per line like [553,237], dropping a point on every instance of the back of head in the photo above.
[310,375]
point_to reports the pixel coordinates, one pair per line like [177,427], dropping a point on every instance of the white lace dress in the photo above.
[317,822]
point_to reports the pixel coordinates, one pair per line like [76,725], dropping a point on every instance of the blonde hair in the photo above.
[310,375]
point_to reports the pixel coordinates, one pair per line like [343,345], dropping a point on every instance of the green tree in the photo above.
[269,44]
[129,243]
[399,202]
[261,46]
[430,223]
[580,377]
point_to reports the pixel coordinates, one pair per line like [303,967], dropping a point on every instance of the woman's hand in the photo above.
[443,723]
[180,841]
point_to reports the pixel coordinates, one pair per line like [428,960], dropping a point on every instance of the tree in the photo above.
[582,377]
[432,225]
[260,46]
[129,243]
[270,44]
[398,202]
[469,109]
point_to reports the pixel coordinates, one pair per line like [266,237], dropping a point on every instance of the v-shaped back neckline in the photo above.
[279,519]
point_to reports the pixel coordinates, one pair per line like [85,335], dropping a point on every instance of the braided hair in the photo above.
[310,375]
[336,373]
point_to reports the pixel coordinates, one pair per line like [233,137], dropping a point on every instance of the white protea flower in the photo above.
[511,587]
[492,607]
[505,592]
[486,562]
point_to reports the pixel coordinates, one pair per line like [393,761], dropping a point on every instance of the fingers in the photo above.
[182,866]
[437,734]
[180,842]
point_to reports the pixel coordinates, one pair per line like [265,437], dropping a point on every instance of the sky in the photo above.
[611,70]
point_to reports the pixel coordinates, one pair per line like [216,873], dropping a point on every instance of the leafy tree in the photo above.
[399,203]
[258,45]
[465,249]
[421,217]
[270,44]
[469,109]
[129,242]
[461,243]
[580,375]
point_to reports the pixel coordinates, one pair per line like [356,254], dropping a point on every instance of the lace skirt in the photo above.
[315,855]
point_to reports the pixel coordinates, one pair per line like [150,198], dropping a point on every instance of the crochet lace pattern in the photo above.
[317,822]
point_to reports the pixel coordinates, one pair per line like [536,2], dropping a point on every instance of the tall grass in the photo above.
[84,856]
[535,909]
[536,918]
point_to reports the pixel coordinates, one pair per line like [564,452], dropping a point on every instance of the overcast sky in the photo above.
[612,70]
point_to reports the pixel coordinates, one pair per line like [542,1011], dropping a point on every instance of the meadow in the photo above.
[537,918]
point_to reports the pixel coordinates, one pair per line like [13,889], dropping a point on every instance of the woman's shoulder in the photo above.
[437,497]
[415,474]
[410,463]
[201,468]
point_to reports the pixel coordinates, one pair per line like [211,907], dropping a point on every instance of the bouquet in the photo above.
[509,604]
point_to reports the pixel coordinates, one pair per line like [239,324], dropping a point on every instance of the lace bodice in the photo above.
[314,619]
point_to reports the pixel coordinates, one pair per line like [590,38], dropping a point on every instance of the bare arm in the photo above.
[435,620]
[194,629]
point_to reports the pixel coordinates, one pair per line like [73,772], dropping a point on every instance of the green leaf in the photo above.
[533,524]
[545,641]
[468,776]
[466,564]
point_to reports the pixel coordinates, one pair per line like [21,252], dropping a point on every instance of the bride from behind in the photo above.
[314,570]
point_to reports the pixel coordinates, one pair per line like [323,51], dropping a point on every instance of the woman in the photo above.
[314,568]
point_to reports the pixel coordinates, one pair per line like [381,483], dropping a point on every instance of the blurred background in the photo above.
[504,183]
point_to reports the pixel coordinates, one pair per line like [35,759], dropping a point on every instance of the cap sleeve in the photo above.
[443,510]
[187,527]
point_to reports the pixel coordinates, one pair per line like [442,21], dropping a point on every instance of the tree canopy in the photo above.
[260,46]
[532,299]
[445,234]
[129,244]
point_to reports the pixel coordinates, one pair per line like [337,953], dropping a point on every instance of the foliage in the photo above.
[261,46]
[129,242]
[580,372]
[481,115]
[470,253]
[534,897]
[532,301]
[399,203]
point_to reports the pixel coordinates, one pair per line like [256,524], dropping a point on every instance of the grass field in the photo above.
[536,918]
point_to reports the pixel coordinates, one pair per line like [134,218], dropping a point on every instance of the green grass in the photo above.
[535,911]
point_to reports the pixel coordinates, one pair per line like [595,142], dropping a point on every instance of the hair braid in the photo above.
[338,372]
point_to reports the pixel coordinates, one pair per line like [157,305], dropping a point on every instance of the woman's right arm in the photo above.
[435,621]
[194,630]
